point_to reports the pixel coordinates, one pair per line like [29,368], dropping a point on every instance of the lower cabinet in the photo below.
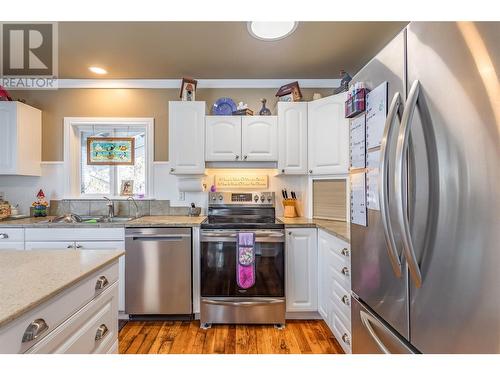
[11,238]
[334,285]
[82,319]
[81,239]
[301,270]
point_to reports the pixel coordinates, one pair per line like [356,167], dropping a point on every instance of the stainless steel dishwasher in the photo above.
[158,271]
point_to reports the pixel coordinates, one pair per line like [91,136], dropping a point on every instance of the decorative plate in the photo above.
[224,106]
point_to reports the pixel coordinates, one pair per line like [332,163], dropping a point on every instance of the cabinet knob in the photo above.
[345,252]
[289,233]
[345,271]
[34,330]
[345,300]
[245,157]
[101,332]
[310,171]
[101,283]
[78,246]
[346,339]
[282,171]
[237,157]
[4,236]
[70,246]
[172,169]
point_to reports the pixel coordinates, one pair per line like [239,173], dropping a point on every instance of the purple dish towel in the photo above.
[245,259]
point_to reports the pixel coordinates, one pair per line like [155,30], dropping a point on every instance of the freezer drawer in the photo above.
[372,336]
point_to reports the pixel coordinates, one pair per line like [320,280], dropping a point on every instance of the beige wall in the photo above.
[128,103]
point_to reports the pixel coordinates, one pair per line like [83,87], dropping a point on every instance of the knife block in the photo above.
[289,208]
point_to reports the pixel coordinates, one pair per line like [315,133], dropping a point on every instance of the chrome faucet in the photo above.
[136,206]
[111,208]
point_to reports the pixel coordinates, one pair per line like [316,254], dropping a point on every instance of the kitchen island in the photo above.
[58,301]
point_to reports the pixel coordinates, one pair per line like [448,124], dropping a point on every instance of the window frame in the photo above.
[72,151]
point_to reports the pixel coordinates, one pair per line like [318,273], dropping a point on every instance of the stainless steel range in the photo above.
[222,299]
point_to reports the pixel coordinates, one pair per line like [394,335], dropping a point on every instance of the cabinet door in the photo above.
[109,245]
[186,121]
[292,135]
[259,138]
[223,138]
[328,136]
[50,245]
[301,271]
[8,140]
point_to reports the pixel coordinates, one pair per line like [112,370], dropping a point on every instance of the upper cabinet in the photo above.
[292,135]
[328,136]
[241,138]
[21,140]
[259,138]
[223,138]
[186,121]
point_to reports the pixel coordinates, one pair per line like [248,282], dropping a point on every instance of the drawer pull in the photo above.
[101,283]
[345,300]
[345,252]
[101,332]
[4,236]
[78,246]
[345,271]
[70,246]
[34,330]
[346,339]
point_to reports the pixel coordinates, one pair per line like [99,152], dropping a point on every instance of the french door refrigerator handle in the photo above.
[382,183]
[365,319]
[400,183]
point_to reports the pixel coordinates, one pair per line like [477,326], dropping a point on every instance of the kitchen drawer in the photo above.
[11,235]
[79,334]
[342,334]
[55,311]
[11,245]
[75,234]
[342,302]
[342,273]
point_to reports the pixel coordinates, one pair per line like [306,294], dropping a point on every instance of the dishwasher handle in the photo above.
[158,237]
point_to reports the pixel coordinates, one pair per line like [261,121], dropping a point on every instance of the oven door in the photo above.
[218,264]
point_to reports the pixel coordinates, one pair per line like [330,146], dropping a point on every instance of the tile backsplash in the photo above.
[98,207]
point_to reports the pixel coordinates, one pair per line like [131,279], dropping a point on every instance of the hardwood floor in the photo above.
[176,337]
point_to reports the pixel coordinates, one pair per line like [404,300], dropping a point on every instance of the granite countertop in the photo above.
[148,221]
[340,229]
[30,278]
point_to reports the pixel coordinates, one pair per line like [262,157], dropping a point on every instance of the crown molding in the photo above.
[202,83]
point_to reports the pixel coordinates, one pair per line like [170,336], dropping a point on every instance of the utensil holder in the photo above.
[289,208]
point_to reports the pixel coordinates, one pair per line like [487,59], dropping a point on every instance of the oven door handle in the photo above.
[262,236]
[244,303]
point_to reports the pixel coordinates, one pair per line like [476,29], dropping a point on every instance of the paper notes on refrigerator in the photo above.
[357,137]
[358,199]
[376,112]
[372,164]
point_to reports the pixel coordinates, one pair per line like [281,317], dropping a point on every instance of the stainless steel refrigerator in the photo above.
[426,267]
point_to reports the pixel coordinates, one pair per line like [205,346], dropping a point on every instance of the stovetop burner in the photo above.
[241,211]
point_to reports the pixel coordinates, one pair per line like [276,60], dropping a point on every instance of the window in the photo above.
[105,180]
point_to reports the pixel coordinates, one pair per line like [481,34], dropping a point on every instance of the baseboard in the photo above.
[309,315]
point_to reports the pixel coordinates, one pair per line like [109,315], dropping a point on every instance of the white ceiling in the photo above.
[217,49]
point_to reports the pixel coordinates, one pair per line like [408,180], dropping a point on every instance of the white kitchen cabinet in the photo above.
[223,138]
[186,123]
[259,138]
[334,286]
[21,140]
[292,135]
[81,239]
[301,270]
[11,238]
[73,318]
[328,136]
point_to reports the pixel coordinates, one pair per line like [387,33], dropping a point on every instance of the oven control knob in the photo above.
[269,199]
[256,198]
[214,198]
[220,197]
[262,198]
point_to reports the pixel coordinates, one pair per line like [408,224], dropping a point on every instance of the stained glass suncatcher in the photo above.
[110,151]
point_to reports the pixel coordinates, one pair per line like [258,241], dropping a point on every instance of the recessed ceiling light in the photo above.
[271,30]
[97,70]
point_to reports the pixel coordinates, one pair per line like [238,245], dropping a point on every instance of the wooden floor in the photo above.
[176,337]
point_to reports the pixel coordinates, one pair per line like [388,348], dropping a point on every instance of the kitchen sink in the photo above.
[76,219]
